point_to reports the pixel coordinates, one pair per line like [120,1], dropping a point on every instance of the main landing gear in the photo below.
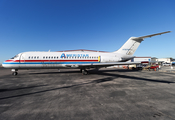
[14,72]
[84,71]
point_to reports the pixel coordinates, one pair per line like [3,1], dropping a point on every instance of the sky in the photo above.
[103,25]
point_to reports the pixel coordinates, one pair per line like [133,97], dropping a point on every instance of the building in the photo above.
[141,59]
[165,60]
[154,59]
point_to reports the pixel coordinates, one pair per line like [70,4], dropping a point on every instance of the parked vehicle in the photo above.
[166,64]
[135,67]
[154,67]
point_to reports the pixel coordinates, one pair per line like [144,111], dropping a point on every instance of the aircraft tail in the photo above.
[133,43]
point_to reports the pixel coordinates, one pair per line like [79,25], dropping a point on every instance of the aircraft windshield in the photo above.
[14,57]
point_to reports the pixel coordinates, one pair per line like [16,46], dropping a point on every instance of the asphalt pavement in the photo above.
[167,69]
[108,94]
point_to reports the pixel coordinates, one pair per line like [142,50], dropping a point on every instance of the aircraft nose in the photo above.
[4,63]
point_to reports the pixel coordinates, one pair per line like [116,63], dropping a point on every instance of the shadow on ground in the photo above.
[110,77]
[64,87]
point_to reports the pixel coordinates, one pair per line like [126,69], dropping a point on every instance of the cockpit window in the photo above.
[14,57]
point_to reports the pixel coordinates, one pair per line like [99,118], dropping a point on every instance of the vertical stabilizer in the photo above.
[130,46]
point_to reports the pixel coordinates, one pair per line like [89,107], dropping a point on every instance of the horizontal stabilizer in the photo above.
[150,35]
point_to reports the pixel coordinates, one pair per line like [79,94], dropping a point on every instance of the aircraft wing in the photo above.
[107,64]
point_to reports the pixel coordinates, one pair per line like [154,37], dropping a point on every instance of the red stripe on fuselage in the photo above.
[12,61]
[59,60]
[51,61]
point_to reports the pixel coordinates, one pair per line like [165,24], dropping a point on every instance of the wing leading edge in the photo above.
[107,64]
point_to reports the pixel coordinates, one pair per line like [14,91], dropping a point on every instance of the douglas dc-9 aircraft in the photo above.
[80,59]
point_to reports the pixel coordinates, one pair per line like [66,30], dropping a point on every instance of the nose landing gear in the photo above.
[14,72]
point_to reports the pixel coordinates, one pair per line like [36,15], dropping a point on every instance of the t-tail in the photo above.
[133,43]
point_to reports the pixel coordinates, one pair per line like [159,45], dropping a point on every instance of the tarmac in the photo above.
[107,94]
[167,69]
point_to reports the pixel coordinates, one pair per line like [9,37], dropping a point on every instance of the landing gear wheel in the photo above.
[15,73]
[85,72]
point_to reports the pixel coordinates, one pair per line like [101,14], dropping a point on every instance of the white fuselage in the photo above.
[58,60]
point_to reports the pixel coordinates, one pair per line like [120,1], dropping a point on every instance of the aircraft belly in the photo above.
[51,65]
[40,66]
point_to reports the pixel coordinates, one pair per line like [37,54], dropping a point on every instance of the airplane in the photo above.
[79,59]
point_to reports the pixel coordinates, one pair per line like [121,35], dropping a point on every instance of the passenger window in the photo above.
[44,57]
[32,57]
[38,57]
[29,57]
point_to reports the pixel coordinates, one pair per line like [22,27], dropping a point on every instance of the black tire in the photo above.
[140,68]
[85,72]
[15,73]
